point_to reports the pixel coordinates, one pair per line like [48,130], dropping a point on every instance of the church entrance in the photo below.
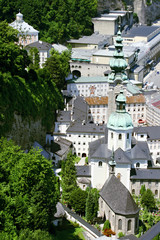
[84,155]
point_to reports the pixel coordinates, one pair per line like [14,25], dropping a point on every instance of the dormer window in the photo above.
[137,165]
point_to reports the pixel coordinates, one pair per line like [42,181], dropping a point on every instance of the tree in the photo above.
[92,204]
[143,189]
[78,200]
[148,200]
[106,225]
[34,57]
[58,67]
[68,178]
[28,189]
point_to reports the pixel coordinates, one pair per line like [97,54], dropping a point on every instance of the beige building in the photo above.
[108,23]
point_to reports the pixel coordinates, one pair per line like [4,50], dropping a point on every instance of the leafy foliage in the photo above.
[106,225]
[78,200]
[92,205]
[58,67]
[148,200]
[29,192]
[68,176]
[31,94]
[56,20]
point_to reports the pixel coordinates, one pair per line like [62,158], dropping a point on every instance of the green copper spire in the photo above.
[118,64]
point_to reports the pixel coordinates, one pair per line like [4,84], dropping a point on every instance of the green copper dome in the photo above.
[120,120]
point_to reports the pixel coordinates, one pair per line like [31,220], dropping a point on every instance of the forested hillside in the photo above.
[33,94]
[57,20]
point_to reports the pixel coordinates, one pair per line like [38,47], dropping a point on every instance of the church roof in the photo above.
[118,198]
[146,174]
[140,151]
[102,152]
[121,157]
[120,121]
[83,171]
[153,132]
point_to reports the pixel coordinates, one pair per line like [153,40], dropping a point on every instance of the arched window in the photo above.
[133,191]
[120,136]
[127,135]
[129,225]
[112,135]
[137,165]
[100,163]
[120,224]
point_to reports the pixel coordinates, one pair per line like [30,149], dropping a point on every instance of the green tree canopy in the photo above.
[31,94]
[148,200]
[56,20]
[28,189]
[68,178]
[78,200]
[58,67]
[92,204]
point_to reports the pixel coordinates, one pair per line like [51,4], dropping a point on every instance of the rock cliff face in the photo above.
[25,132]
[146,13]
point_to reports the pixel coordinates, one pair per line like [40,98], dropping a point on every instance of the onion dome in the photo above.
[118,64]
[120,120]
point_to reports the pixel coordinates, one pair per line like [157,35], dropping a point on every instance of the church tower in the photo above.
[120,126]
[118,77]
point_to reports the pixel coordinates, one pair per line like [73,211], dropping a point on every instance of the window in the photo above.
[127,135]
[79,143]
[111,135]
[120,224]
[120,136]
[100,163]
[133,191]
[137,165]
[84,143]
[156,192]
[129,225]
[142,136]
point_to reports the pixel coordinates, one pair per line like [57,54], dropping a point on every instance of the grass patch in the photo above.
[68,231]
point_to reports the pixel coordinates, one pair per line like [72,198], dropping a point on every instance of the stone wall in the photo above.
[25,132]
[146,13]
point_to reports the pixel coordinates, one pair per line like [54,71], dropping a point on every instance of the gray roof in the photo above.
[39,45]
[23,27]
[102,152]
[44,153]
[64,116]
[140,151]
[79,109]
[83,171]
[84,180]
[95,38]
[60,146]
[151,233]
[94,145]
[153,132]
[80,127]
[118,198]
[121,157]
[139,30]
[146,174]
[129,237]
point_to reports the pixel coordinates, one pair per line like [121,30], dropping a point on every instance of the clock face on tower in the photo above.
[92,89]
